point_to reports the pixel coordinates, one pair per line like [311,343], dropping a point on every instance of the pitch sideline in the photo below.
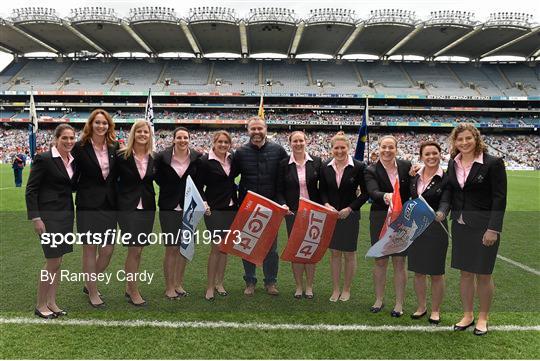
[249,325]
[520,265]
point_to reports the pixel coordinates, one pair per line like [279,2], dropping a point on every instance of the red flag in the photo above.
[311,233]
[254,228]
[394,210]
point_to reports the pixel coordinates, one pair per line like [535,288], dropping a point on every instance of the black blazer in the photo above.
[437,194]
[288,187]
[345,195]
[218,187]
[131,188]
[172,187]
[92,190]
[378,183]
[49,188]
[482,201]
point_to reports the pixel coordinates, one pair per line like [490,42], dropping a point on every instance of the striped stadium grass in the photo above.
[516,303]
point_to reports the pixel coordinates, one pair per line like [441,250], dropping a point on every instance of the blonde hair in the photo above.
[218,134]
[88,130]
[460,128]
[296,132]
[340,136]
[128,150]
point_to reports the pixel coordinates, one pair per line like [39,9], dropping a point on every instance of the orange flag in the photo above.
[311,233]
[254,228]
[394,210]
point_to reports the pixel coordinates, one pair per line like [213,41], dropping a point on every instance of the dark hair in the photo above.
[429,143]
[177,129]
[60,129]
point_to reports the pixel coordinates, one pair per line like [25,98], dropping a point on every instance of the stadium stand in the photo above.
[518,150]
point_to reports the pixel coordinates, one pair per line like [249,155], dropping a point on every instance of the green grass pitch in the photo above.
[516,302]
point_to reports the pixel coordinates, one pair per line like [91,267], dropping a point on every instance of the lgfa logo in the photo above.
[253,229]
[409,209]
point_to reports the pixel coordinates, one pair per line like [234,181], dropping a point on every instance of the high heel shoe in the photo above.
[222,294]
[47,317]
[130,301]
[478,332]
[463,328]
[418,316]
[434,321]
[374,309]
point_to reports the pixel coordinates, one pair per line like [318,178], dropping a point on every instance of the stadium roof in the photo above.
[208,30]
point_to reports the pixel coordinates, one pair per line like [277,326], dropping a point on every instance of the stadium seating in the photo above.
[315,77]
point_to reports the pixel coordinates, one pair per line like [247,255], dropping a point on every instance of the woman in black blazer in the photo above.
[427,254]
[380,180]
[478,182]
[50,207]
[215,177]
[340,178]
[136,200]
[299,176]
[173,165]
[95,155]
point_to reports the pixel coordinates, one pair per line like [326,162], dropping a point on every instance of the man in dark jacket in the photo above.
[257,162]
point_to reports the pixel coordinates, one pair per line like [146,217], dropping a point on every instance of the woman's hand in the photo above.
[490,237]
[344,213]
[414,169]
[39,226]
[329,206]
[440,216]
[286,207]
[388,198]
[207,210]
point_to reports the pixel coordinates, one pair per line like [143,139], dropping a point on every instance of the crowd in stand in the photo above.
[517,150]
[328,116]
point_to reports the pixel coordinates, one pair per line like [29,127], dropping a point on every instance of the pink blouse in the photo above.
[142,164]
[301,171]
[225,165]
[102,156]
[180,167]
[339,172]
[68,165]
[463,172]
[420,185]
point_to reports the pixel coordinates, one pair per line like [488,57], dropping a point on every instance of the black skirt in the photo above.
[171,223]
[219,222]
[468,252]
[139,223]
[96,220]
[376,222]
[345,237]
[62,227]
[427,254]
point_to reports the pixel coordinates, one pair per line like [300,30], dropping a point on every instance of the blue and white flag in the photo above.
[193,212]
[414,219]
[33,127]
[149,115]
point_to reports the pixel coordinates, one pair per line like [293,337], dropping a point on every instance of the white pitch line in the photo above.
[246,325]
[520,265]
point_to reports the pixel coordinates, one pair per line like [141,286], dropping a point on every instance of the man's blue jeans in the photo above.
[270,268]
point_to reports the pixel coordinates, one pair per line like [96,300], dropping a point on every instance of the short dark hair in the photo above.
[177,129]
[429,143]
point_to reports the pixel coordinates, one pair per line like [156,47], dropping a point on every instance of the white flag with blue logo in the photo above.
[193,212]
[415,218]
